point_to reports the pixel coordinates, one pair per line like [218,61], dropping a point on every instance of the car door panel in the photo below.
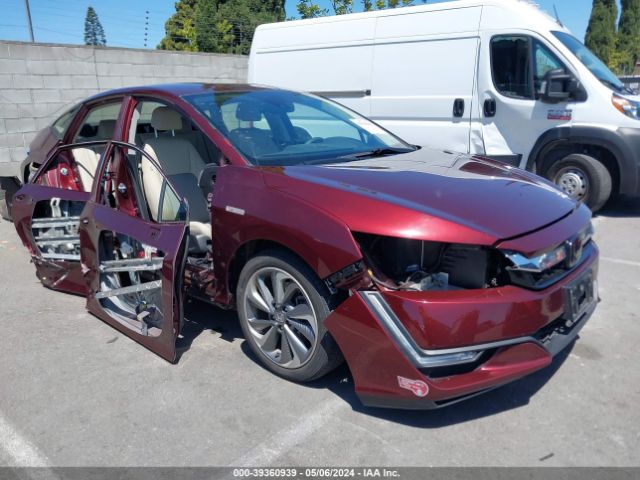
[47,219]
[515,62]
[46,213]
[134,268]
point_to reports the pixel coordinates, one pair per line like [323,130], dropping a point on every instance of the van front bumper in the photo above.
[391,369]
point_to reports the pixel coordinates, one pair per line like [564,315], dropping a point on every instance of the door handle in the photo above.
[85,221]
[458,107]
[490,107]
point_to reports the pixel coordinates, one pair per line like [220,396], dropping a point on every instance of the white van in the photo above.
[498,78]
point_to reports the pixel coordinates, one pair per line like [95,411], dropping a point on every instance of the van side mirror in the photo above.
[559,86]
[555,86]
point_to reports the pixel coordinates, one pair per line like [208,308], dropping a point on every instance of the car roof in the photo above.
[177,89]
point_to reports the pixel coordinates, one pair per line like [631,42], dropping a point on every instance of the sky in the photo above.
[124,21]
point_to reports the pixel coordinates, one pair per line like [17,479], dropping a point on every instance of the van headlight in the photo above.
[626,106]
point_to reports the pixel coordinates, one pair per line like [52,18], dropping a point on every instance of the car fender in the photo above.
[245,210]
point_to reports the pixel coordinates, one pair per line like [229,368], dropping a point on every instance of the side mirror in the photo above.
[557,86]
[207,175]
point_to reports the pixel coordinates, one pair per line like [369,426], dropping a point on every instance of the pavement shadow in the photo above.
[621,206]
[508,397]
[201,317]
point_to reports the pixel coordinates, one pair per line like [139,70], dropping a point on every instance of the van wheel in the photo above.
[583,178]
[282,306]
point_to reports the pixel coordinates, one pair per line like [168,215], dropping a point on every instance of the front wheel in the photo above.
[583,178]
[281,307]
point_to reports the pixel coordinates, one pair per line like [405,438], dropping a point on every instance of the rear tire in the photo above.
[583,178]
[282,306]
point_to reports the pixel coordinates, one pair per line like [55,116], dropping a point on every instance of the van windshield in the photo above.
[279,127]
[592,62]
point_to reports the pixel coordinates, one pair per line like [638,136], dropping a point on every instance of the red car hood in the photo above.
[428,194]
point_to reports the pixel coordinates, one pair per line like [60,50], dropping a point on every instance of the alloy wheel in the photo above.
[280,317]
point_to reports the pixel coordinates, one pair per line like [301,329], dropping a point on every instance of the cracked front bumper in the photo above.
[394,362]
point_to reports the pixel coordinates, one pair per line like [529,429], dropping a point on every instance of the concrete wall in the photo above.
[39,81]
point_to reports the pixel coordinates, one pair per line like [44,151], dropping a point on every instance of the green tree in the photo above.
[223,26]
[601,32]
[308,9]
[180,32]
[628,36]
[206,27]
[342,7]
[93,31]
[243,17]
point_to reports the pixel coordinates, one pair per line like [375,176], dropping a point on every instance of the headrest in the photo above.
[163,118]
[106,129]
[248,112]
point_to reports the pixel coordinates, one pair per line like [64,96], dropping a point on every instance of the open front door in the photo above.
[46,212]
[133,238]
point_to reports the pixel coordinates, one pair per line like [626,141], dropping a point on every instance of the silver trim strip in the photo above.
[344,93]
[131,265]
[60,256]
[236,210]
[141,287]
[426,358]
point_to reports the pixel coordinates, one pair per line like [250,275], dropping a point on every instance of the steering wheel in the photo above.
[314,140]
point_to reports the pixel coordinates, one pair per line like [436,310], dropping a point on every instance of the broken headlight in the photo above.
[567,253]
[408,264]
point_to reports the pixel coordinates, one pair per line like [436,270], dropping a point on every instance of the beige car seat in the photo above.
[181,164]
[87,158]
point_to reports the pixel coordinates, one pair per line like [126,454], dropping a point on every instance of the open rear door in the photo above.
[134,260]
[46,212]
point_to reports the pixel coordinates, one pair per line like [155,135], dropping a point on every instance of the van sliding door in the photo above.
[424,71]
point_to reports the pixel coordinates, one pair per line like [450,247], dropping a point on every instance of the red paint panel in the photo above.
[376,362]
[551,236]
[321,240]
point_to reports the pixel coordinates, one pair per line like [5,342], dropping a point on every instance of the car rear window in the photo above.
[61,125]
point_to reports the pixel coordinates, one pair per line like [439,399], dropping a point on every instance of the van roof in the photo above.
[521,8]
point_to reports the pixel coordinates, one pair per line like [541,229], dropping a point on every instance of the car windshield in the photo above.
[592,62]
[278,127]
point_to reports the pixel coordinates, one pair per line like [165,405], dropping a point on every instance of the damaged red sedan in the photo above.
[435,275]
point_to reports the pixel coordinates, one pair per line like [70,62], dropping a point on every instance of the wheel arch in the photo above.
[608,146]
[252,248]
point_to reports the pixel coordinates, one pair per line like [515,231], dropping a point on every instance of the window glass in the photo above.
[231,120]
[99,124]
[72,168]
[133,184]
[277,127]
[511,66]
[61,124]
[171,138]
[592,62]
[313,123]
[162,200]
[141,128]
[545,61]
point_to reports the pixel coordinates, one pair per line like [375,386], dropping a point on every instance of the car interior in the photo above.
[183,152]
